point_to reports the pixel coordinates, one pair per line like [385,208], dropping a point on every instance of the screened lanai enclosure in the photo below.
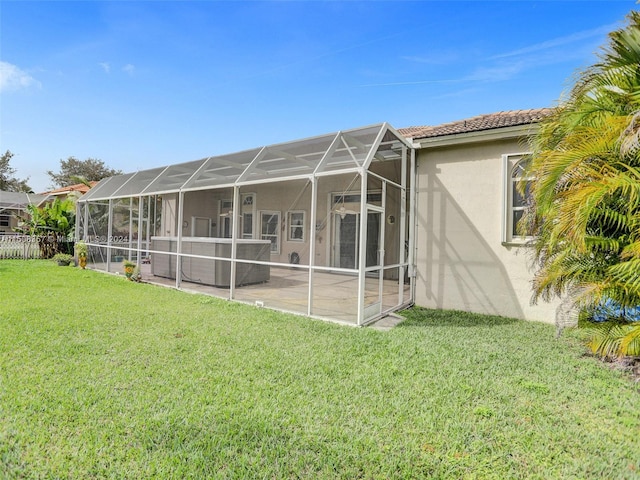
[322,227]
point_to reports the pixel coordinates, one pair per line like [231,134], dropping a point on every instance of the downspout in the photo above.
[413,224]
[403,227]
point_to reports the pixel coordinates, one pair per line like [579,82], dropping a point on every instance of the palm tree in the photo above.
[585,192]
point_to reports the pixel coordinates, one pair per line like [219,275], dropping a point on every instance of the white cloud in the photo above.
[128,68]
[509,65]
[433,58]
[497,73]
[416,82]
[105,66]
[12,78]
[558,42]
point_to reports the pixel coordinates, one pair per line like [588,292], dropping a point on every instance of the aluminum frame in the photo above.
[350,152]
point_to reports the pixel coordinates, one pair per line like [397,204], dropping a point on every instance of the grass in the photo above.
[105,378]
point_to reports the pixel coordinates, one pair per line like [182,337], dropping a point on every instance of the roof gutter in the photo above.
[501,133]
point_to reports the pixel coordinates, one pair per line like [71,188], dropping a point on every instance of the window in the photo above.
[248,209]
[246,216]
[226,217]
[247,225]
[296,229]
[514,203]
[270,229]
[5,220]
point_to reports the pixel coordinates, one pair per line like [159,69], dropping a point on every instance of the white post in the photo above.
[236,207]
[85,229]
[109,234]
[140,217]
[130,228]
[362,247]
[312,241]
[179,243]
[381,247]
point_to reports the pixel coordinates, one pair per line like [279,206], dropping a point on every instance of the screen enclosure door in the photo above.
[374,255]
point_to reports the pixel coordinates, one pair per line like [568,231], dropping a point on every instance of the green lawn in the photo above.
[104,378]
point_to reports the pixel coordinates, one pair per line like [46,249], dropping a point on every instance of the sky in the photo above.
[142,84]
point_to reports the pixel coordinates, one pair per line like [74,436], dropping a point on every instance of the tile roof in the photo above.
[475,124]
[78,187]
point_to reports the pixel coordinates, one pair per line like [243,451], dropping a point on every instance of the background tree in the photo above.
[53,224]
[8,182]
[585,193]
[74,171]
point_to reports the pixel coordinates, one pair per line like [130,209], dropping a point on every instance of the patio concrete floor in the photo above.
[334,294]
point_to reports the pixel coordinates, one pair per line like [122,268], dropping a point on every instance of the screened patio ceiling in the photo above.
[321,226]
[341,152]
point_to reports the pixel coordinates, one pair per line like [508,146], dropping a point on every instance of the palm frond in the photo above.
[606,338]
[630,343]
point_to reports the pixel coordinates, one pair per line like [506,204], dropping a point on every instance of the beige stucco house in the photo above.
[13,205]
[348,226]
[468,254]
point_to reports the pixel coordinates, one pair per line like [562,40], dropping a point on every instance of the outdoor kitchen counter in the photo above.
[216,272]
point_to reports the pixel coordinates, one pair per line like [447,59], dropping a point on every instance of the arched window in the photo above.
[514,202]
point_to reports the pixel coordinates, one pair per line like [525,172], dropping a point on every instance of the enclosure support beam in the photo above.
[236,208]
[148,225]
[140,227]
[312,241]
[109,234]
[362,247]
[130,228]
[381,246]
[85,229]
[179,243]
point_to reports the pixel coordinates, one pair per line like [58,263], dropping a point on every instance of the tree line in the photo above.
[72,171]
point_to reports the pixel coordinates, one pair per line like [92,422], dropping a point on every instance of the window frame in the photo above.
[510,163]
[277,235]
[302,226]
[248,210]
[225,206]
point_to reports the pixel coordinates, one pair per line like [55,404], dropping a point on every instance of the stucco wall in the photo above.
[461,261]
[12,217]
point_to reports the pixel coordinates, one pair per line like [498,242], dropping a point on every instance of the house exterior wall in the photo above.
[284,197]
[461,261]
[9,220]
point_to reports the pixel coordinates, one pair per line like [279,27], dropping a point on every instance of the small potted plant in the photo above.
[81,252]
[129,267]
[137,275]
[63,259]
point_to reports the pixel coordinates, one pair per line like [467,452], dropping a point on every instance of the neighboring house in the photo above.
[436,229]
[14,205]
[76,190]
